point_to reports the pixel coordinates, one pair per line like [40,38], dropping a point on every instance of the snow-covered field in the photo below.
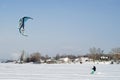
[58,72]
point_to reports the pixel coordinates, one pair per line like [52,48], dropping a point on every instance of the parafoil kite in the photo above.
[22,25]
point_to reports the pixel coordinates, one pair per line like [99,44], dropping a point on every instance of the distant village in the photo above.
[96,55]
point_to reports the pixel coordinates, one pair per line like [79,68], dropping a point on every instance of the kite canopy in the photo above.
[22,24]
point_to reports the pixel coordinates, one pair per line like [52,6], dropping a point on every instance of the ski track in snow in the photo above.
[11,71]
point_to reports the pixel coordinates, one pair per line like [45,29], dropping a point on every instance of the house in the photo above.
[84,59]
[50,61]
[64,60]
[77,60]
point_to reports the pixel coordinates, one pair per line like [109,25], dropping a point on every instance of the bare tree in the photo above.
[22,56]
[57,56]
[95,53]
[35,57]
[115,53]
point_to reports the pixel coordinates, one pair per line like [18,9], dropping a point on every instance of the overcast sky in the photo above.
[59,26]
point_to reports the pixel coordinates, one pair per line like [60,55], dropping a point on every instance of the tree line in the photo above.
[93,54]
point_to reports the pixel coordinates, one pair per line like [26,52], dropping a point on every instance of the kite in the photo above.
[22,25]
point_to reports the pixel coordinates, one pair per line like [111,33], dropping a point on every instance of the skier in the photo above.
[93,70]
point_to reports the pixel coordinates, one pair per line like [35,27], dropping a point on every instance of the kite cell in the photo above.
[22,25]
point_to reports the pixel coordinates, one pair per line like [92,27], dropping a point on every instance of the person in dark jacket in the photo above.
[93,70]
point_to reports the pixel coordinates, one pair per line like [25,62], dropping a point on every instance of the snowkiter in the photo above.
[93,70]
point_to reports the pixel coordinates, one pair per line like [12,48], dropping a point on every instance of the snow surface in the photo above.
[9,71]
